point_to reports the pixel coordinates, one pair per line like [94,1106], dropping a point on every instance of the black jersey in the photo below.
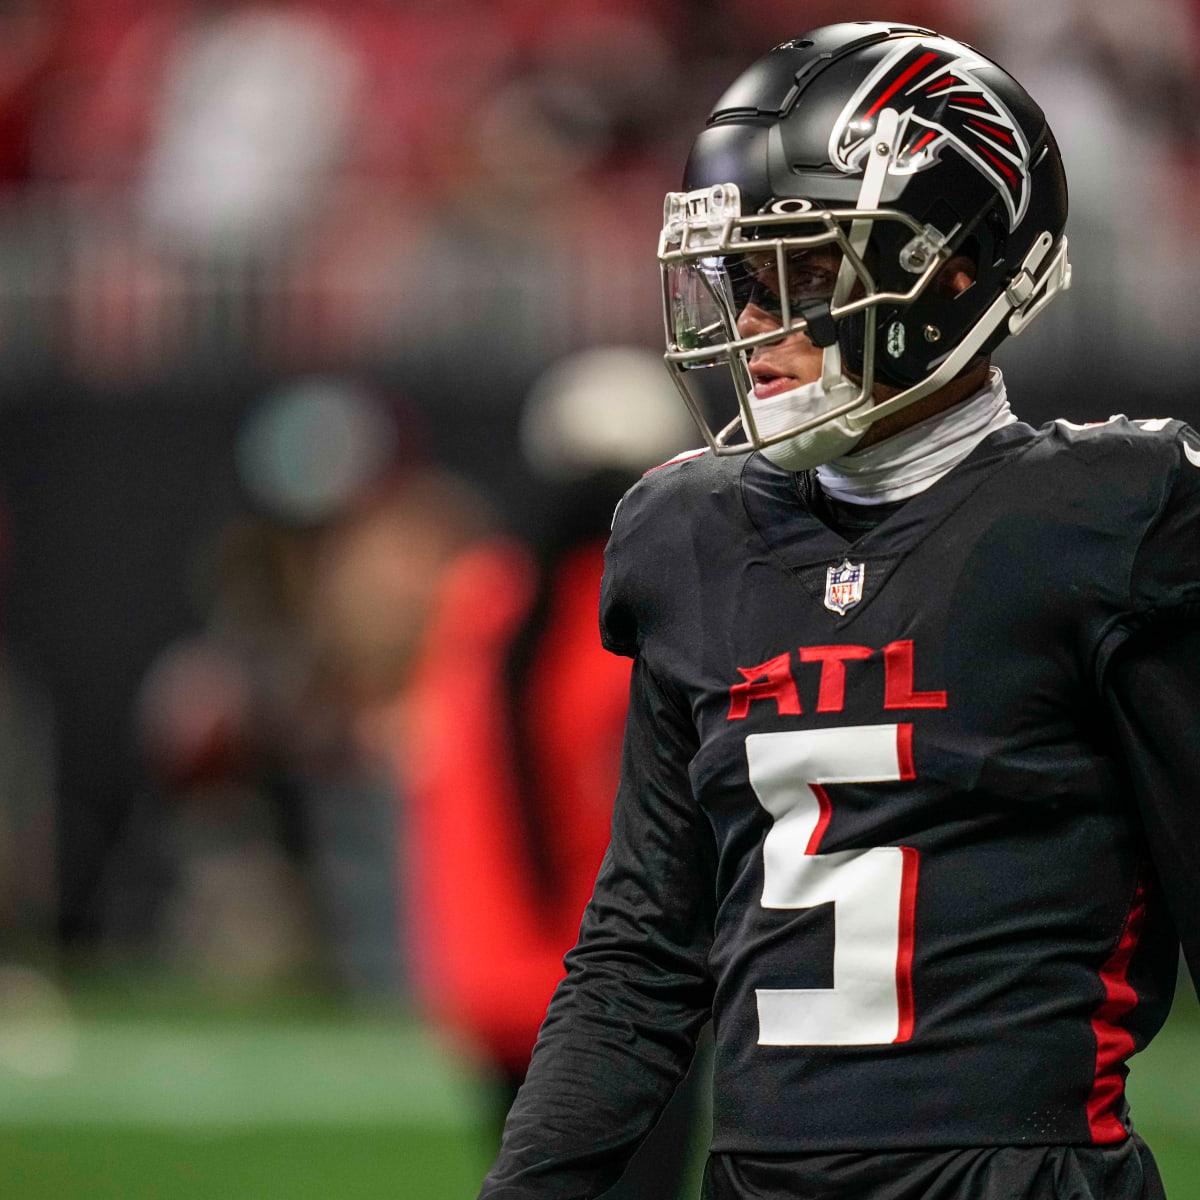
[910,815]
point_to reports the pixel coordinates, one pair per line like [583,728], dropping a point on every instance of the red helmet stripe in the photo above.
[917,67]
[936,86]
[1007,171]
[996,133]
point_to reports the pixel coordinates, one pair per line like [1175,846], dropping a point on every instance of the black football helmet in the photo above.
[896,148]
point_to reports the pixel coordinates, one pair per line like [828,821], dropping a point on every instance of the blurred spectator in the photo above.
[29,815]
[27,39]
[514,723]
[256,109]
[272,815]
[29,809]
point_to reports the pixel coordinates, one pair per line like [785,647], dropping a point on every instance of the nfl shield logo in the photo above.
[843,586]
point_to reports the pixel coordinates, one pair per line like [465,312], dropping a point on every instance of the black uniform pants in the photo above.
[1122,1172]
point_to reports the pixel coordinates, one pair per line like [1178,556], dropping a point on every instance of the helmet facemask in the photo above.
[881,323]
[716,261]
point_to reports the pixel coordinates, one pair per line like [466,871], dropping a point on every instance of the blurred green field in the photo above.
[138,1106]
[1164,1093]
[236,1107]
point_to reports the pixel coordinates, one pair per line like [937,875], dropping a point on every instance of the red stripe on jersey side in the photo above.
[904,751]
[1114,1044]
[826,807]
[917,67]
[908,923]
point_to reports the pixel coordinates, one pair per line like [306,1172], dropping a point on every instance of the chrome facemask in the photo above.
[703,251]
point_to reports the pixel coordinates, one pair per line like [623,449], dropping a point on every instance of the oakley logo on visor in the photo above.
[940,101]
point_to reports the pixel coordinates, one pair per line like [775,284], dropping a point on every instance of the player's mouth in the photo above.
[769,382]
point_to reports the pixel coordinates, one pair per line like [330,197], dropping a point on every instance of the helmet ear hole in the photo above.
[956,277]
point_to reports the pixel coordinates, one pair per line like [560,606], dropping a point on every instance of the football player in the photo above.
[906,803]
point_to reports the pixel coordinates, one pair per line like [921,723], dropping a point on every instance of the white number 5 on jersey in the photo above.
[873,891]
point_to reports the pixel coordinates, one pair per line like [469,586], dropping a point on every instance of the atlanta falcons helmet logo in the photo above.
[940,102]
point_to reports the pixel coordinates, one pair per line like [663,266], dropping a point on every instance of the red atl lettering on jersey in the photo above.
[898,680]
[832,696]
[775,680]
[771,680]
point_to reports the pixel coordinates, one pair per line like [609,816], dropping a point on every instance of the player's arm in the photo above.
[1152,687]
[621,1030]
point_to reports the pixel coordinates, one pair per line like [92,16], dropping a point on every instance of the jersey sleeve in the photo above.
[1151,685]
[619,631]
[621,1029]
[645,560]
[1152,691]
[1166,569]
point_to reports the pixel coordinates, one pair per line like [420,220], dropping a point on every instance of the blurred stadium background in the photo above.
[329,337]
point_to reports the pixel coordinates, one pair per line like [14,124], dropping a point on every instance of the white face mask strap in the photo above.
[874,177]
[1056,278]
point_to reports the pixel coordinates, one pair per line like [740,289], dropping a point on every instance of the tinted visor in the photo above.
[706,296]
[807,275]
